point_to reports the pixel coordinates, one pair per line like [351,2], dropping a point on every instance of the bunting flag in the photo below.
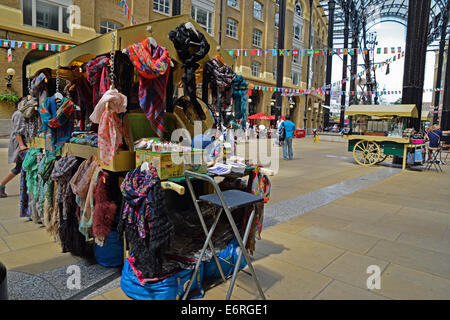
[12,44]
[127,11]
[296,52]
[9,55]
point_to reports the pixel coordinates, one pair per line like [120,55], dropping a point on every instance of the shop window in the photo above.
[108,26]
[298,8]
[295,78]
[232,27]
[233,3]
[203,17]
[46,14]
[297,31]
[257,10]
[257,38]
[162,6]
[277,20]
[256,69]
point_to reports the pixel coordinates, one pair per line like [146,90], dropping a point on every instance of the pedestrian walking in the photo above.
[16,149]
[289,129]
[316,136]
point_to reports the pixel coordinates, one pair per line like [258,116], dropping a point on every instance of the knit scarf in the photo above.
[184,40]
[153,66]
[220,77]
[145,219]
[61,174]
[30,165]
[46,189]
[110,130]
[97,73]
[240,94]
[56,118]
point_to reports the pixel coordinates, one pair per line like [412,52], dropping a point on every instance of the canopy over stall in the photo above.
[426,116]
[399,110]
[125,37]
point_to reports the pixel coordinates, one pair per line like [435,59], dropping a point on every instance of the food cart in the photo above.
[69,65]
[379,131]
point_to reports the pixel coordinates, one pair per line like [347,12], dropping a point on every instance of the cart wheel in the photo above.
[367,153]
[383,157]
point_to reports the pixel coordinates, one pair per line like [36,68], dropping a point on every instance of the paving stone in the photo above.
[412,225]
[116,294]
[338,290]
[434,243]
[424,260]
[339,238]
[351,268]
[15,226]
[425,215]
[3,247]
[373,230]
[27,239]
[399,282]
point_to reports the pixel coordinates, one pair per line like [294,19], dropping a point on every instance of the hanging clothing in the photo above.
[97,73]
[83,184]
[184,40]
[45,189]
[62,173]
[105,207]
[38,87]
[221,80]
[153,66]
[145,219]
[56,118]
[30,165]
[110,129]
[240,97]
[23,207]
[32,119]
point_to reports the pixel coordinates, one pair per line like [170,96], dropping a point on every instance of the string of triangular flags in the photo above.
[373,68]
[353,93]
[124,5]
[307,52]
[6,43]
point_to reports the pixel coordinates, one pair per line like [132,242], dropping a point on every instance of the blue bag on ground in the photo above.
[230,254]
[171,288]
[111,254]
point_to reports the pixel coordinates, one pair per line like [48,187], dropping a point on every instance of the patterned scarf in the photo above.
[153,66]
[23,208]
[97,73]
[30,165]
[240,95]
[220,77]
[38,88]
[56,118]
[46,189]
[61,174]
[110,130]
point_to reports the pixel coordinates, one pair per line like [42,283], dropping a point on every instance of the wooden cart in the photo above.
[377,132]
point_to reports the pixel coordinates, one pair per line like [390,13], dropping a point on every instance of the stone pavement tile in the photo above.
[398,282]
[340,238]
[373,230]
[14,226]
[351,268]
[296,250]
[100,297]
[37,259]
[433,262]
[412,225]
[116,294]
[279,280]
[338,290]
[3,247]
[426,242]
[3,231]
[306,220]
[351,213]
[426,215]
[28,239]
[353,200]
[446,236]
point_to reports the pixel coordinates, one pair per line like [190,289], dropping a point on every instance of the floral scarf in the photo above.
[110,130]
[153,65]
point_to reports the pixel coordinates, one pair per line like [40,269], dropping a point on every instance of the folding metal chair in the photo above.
[435,153]
[226,201]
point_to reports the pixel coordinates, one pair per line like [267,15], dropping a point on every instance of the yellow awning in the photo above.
[127,36]
[426,116]
[399,110]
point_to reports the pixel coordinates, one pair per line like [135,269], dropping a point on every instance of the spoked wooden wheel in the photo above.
[367,153]
[383,157]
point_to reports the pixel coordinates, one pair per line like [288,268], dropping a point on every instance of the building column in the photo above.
[445,116]
[344,65]
[331,6]
[415,54]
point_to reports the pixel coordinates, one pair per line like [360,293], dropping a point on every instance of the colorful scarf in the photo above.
[97,73]
[240,96]
[221,78]
[56,118]
[27,107]
[23,207]
[38,88]
[46,189]
[110,130]
[61,174]
[30,165]
[153,66]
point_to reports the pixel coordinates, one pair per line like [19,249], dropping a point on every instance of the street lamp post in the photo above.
[331,7]
[344,66]
[308,65]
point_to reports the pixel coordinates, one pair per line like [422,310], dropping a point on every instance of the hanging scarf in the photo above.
[46,189]
[61,174]
[97,73]
[30,165]
[56,118]
[145,219]
[240,96]
[153,66]
[110,130]
[32,119]
[82,184]
[38,88]
[23,207]
[221,78]
[27,107]
[184,39]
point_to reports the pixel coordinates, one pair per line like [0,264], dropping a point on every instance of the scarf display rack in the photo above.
[119,94]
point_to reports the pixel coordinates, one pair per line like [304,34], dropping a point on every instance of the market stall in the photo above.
[104,161]
[379,131]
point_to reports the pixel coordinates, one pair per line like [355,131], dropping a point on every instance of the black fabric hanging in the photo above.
[187,41]
[169,93]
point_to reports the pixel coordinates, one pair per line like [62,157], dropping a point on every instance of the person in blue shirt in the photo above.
[289,128]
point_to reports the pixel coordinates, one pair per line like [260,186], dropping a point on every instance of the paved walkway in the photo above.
[328,220]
